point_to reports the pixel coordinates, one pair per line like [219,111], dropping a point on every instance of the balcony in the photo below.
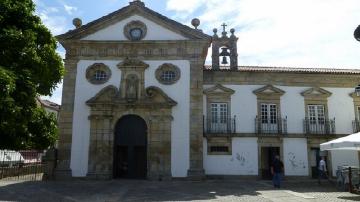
[356,125]
[265,126]
[218,126]
[319,127]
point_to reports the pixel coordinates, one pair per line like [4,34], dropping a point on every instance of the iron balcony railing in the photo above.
[220,126]
[267,126]
[319,126]
[356,125]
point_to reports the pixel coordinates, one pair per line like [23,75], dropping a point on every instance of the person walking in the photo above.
[277,168]
[322,170]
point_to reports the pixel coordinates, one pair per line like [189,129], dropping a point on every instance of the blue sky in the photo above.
[294,33]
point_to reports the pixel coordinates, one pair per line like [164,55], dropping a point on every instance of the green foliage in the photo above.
[29,67]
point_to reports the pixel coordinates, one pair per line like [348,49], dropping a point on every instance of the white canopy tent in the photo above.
[350,142]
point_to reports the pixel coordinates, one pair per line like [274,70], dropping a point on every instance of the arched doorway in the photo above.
[130,148]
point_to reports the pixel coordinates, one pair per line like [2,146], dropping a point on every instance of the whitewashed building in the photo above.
[138,102]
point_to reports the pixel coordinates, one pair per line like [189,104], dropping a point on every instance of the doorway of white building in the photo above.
[267,157]
[315,156]
[130,148]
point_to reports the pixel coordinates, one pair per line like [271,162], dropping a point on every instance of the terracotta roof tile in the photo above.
[287,70]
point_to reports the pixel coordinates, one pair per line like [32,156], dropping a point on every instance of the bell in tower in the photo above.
[228,46]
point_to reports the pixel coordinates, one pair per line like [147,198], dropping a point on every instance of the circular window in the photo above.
[98,73]
[167,74]
[135,30]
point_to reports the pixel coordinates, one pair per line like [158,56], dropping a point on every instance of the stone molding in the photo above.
[316,96]
[218,93]
[90,71]
[167,67]
[356,101]
[133,25]
[219,141]
[107,107]
[270,95]
[280,79]
[126,12]
[166,50]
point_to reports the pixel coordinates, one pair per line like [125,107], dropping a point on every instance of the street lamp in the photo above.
[357,33]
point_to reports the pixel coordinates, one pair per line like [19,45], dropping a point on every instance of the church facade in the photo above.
[138,102]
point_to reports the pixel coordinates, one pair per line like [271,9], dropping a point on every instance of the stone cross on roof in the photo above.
[224,26]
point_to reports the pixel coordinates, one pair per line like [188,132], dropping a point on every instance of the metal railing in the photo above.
[326,126]
[356,125]
[220,126]
[22,165]
[266,126]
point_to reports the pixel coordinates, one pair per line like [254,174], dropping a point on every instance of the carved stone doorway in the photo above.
[130,148]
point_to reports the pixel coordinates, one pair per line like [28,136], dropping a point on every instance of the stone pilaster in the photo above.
[63,170]
[196,169]
[101,147]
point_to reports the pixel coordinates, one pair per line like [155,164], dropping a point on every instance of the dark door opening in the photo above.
[130,148]
[267,157]
[314,162]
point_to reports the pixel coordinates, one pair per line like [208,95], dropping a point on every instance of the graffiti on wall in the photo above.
[295,163]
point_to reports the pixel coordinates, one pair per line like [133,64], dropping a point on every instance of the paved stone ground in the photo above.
[132,190]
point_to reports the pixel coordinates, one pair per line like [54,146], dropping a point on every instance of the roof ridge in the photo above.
[187,29]
[284,69]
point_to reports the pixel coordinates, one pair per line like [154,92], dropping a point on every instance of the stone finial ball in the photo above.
[232,31]
[215,30]
[77,22]
[195,22]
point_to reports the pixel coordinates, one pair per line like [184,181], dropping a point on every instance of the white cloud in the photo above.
[187,6]
[282,32]
[51,17]
[70,9]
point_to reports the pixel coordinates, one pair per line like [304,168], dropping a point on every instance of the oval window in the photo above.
[167,74]
[98,73]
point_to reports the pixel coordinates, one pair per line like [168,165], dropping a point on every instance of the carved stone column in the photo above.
[63,170]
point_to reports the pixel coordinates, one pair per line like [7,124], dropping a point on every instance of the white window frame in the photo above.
[219,116]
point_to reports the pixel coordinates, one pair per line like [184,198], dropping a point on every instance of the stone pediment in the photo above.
[316,92]
[105,95]
[154,96]
[132,63]
[135,8]
[219,89]
[269,90]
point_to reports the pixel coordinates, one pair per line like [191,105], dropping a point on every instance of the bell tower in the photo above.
[224,48]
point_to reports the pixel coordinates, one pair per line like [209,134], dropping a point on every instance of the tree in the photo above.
[29,67]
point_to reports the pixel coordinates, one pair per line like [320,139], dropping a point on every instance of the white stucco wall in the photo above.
[345,157]
[180,125]
[81,125]
[293,107]
[243,161]
[244,106]
[295,157]
[341,107]
[180,128]
[115,32]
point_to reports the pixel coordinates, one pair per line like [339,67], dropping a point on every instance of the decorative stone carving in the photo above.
[131,67]
[135,30]
[167,74]
[98,73]
[155,107]
[132,83]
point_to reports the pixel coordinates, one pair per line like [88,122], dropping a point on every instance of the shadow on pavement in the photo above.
[125,190]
